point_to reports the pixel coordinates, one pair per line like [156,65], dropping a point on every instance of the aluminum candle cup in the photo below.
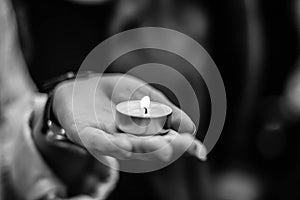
[142,120]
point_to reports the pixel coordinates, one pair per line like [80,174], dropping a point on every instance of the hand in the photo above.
[87,116]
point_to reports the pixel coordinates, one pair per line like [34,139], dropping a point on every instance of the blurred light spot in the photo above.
[237,185]
[273,126]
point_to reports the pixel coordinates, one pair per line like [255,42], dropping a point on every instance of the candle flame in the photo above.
[145,103]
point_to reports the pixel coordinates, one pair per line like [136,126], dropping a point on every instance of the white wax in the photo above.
[133,108]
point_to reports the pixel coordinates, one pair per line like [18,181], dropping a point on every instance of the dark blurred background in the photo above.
[254,43]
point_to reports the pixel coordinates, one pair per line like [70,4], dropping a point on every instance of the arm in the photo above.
[24,174]
[15,84]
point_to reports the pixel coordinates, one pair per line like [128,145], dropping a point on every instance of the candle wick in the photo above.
[146,110]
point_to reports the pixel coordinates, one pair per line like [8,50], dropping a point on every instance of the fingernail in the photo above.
[128,154]
[200,151]
[169,138]
[166,154]
[166,158]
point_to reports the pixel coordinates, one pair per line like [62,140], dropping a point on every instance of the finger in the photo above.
[186,142]
[180,121]
[102,143]
[151,148]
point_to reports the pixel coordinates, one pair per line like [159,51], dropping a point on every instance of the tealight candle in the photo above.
[143,117]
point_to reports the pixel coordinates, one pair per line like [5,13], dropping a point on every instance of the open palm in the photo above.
[86,107]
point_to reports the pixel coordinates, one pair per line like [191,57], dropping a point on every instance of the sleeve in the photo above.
[29,175]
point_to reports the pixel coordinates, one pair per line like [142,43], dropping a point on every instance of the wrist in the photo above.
[66,160]
[58,110]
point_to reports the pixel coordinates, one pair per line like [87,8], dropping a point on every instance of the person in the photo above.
[27,170]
